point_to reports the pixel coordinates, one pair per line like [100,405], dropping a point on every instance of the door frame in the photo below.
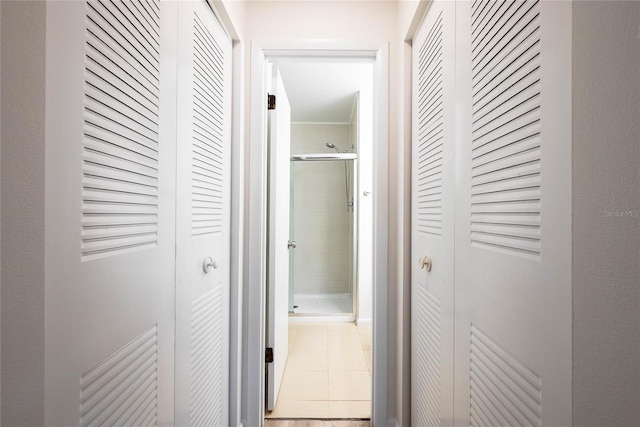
[255,266]
[227,20]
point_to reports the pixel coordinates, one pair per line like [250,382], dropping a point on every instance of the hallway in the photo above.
[506,211]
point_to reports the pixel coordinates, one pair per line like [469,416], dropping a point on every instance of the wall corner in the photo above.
[22,228]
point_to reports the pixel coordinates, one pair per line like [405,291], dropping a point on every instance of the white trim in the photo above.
[403,305]
[321,49]
[381,235]
[221,14]
[253,360]
[253,364]
[421,12]
[364,322]
[354,107]
[237,235]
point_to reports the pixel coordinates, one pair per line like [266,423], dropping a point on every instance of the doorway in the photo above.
[258,271]
[330,188]
[320,131]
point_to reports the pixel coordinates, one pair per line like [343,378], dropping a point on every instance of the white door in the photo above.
[513,217]
[110,203]
[203,217]
[279,129]
[432,287]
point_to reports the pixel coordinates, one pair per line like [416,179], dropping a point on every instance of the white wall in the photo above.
[23,123]
[365,196]
[606,206]
[320,218]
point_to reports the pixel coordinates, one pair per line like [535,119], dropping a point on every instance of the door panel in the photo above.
[110,236]
[513,255]
[278,217]
[203,222]
[432,217]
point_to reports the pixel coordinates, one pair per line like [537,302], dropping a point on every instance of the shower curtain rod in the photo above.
[324,156]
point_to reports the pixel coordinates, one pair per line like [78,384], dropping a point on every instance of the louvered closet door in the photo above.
[110,237]
[432,218]
[204,149]
[513,222]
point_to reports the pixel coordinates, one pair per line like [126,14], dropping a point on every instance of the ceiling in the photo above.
[321,91]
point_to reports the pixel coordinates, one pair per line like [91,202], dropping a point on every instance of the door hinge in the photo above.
[271,102]
[268,355]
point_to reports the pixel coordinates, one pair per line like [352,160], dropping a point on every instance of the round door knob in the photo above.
[208,264]
[291,244]
[425,263]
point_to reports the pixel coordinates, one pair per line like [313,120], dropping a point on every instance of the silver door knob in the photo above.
[425,263]
[291,244]
[208,264]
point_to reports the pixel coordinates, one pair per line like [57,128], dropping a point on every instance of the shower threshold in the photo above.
[322,307]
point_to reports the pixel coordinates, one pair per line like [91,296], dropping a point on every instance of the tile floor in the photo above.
[328,372]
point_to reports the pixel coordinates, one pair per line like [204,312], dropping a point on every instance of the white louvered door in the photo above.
[203,221]
[110,203]
[513,217]
[432,218]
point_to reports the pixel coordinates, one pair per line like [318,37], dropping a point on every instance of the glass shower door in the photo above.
[323,223]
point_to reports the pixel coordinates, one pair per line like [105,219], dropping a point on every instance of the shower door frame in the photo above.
[353,250]
[255,267]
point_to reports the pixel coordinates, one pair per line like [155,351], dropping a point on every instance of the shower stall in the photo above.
[323,274]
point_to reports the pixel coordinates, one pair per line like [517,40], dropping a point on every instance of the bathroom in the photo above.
[330,198]
[327,373]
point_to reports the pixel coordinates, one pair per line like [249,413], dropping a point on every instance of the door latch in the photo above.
[268,355]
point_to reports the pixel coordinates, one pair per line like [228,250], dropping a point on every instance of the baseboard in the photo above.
[393,423]
[364,322]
